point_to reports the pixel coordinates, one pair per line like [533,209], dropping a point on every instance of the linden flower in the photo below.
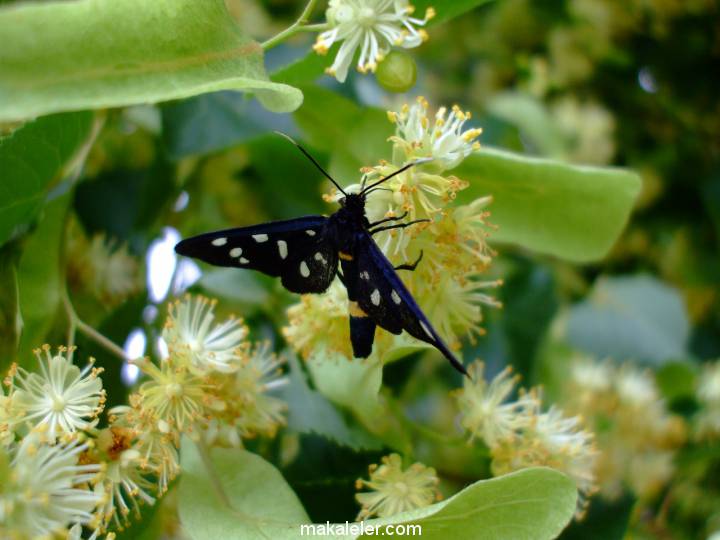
[395,490]
[552,440]
[125,488]
[372,25]
[248,408]
[156,450]
[443,140]
[485,410]
[320,319]
[47,489]
[174,399]
[61,396]
[191,335]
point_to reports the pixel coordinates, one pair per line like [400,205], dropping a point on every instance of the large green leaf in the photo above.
[31,159]
[570,211]
[529,504]
[39,277]
[631,318]
[258,505]
[89,54]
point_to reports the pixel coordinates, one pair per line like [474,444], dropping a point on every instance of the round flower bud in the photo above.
[397,72]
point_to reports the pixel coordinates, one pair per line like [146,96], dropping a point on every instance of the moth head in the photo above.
[353,201]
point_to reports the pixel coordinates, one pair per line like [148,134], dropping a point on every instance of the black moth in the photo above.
[304,253]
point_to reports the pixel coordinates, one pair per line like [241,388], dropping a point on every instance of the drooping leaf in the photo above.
[31,159]
[310,412]
[39,277]
[89,54]
[215,121]
[240,286]
[631,318]
[570,211]
[258,505]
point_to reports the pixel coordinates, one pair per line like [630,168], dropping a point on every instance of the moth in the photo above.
[308,252]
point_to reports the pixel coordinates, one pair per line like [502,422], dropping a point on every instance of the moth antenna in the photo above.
[400,170]
[307,155]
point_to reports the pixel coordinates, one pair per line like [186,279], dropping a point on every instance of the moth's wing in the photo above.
[277,249]
[383,296]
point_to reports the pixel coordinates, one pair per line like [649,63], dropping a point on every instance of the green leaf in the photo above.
[532,504]
[352,383]
[528,114]
[570,211]
[677,381]
[259,504]
[31,159]
[10,320]
[630,318]
[446,9]
[310,412]
[39,277]
[529,504]
[215,121]
[242,287]
[89,54]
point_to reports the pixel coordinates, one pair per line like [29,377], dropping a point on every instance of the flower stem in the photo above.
[298,26]
[77,324]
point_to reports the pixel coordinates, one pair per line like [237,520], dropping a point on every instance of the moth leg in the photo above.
[412,266]
[389,219]
[342,278]
[398,226]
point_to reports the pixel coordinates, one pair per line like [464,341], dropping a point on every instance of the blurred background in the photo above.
[630,83]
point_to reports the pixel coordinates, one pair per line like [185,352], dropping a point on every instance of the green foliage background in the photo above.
[577,274]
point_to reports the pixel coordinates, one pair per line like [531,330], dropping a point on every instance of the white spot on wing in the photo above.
[319,257]
[310,232]
[304,270]
[219,241]
[427,330]
[282,249]
[375,297]
[235,252]
[243,260]
[260,238]
[396,297]
[365,275]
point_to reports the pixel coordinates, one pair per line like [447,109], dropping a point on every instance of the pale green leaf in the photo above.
[39,277]
[258,503]
[631,318]
[310,412]
[352,383]
[31,159]
[89,54]
[242,287]
[533,119]
[532,504]
[570,211]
